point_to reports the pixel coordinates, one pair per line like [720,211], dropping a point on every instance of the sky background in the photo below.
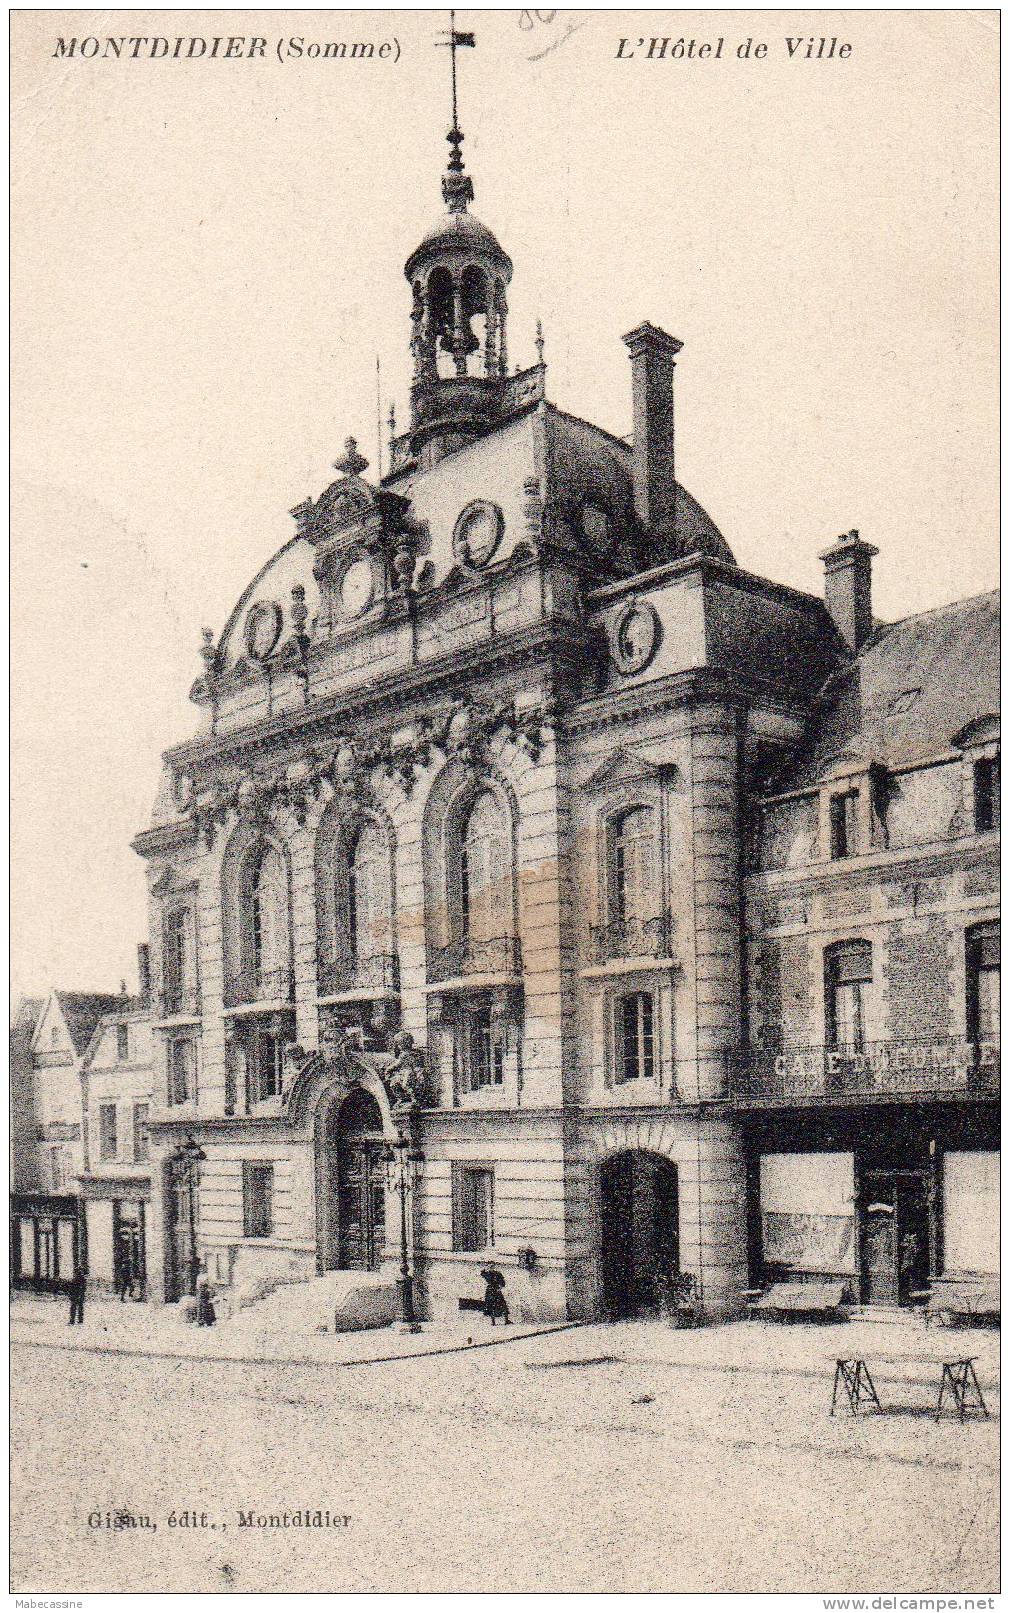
[208,259]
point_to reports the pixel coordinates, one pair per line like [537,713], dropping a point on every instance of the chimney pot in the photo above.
[848,566]
[653,353]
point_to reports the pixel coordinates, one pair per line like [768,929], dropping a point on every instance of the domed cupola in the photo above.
[457,275]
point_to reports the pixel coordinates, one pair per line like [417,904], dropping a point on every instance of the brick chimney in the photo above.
[847,591]
[652,358]
[144,969]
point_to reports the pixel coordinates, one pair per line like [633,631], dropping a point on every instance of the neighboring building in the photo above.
[115,1183]
[49,1041]
[870,1093]
[24,1148]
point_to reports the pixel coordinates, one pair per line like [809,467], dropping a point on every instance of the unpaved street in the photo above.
[602,1458]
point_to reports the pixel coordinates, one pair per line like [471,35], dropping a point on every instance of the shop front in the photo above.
[882,1200]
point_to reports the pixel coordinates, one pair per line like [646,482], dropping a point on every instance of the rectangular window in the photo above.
[849,982]
[107,1139]
[486,1046]
[983,971]
[181,1071]
[986,780]
[257,1200]
[844,830]
[269,1065]
[122,1043]
[635,1041]
[141,1137]
[472,1207]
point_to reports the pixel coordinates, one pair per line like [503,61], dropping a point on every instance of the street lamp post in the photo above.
[402,1166]
[187,1157]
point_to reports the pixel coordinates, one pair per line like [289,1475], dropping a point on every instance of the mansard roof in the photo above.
[586,462]
[909,694]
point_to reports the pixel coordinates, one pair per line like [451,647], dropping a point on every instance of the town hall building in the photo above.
[635,915]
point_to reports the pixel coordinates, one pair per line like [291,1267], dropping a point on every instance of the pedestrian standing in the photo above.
[124,1285]
[206,1315]
[76,1289]
[495,1303]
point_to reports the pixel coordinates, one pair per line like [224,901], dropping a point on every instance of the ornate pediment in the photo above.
[624,766]
[351,510]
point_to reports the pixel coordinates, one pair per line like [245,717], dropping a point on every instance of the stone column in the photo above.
[716,863]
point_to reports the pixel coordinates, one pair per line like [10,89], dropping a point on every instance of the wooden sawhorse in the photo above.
[960,1381]
[854,1378]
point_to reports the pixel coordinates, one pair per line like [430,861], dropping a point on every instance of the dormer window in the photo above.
[843,824]
[985,779]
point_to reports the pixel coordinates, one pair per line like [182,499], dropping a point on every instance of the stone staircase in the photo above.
[340,1301]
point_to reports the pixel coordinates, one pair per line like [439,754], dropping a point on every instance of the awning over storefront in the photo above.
[807,1211]
[971,1212]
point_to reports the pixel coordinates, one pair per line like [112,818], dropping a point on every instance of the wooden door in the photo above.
[616,1213]
[880,1240]
[362,1204]
[912,1233]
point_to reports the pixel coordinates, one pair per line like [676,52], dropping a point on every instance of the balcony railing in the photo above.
[498,956]
[258,986]
[379,973]
[918,1068]
[631,938]
[176,1000]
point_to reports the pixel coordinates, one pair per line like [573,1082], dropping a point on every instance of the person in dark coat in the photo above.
[76,1289]
[206,1315]
[124,1287]
[495,1303]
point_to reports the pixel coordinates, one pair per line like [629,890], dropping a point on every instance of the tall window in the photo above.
[269,921]
[122,1043]
[632,871]
[844,825]
[986,790]
[141,1135]
[257,1200]
[486,1045]
[107,1139]
[483,871]
[267,1053]
[982,944]
[848,985]
[634,1036]
[472,1207]
[181,1070]
[174,959]
[366,903]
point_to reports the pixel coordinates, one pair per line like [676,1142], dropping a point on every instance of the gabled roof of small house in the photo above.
[82,1010]
[909,694]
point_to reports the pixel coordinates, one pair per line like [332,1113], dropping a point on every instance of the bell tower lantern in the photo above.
[459,315]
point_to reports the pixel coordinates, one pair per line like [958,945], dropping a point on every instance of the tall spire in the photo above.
[457,186]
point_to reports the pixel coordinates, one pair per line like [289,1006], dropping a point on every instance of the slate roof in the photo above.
[83,1009]
[914,685]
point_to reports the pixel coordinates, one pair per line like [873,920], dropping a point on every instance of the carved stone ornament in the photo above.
[262,629]
[634,638]
[406,1077]
[477,534]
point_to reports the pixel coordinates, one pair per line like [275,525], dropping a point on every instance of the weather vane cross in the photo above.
[457,188]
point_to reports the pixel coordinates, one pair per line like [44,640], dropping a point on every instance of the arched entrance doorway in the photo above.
[356,1147]
[640,1231]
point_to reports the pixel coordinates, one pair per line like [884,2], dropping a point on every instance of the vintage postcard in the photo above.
[506,794]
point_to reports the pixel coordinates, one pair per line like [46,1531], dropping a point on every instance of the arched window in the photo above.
[367,901]
[633,869]
[268,922]
[484,867]
[848,977]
